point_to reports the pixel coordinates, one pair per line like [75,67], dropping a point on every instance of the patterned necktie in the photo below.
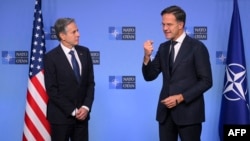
[171,55]
[75,65]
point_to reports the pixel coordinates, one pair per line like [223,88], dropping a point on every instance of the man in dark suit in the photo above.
[70,89]
[186,76]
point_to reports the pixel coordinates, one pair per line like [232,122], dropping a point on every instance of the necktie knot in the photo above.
[75,65]
[71,52]
[173,43]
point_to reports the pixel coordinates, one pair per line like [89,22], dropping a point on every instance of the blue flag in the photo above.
[235,98]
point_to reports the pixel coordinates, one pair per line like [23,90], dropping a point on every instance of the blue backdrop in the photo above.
[126,113]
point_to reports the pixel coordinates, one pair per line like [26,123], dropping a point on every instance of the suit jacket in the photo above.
[65,93]
[191,76]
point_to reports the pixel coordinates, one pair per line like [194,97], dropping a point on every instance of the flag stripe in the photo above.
[37,110]
[40,79]
[27,134]
[37,90]
[36,121]
[32,128]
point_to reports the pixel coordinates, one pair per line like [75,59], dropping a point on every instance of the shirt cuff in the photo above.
[74,112]
[85,107]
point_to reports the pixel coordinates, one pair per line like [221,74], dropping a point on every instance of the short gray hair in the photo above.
[61,24]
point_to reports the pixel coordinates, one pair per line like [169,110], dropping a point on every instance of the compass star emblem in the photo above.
[115,33]
[115,82]
[235,86]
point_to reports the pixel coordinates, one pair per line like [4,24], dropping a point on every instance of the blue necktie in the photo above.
[75,65]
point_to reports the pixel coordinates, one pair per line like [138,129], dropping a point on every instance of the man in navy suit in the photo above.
[186,76]
[70,96]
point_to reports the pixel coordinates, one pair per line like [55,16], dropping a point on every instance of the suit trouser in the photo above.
[169,131]
[74,132]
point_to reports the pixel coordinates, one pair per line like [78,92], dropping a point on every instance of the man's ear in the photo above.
[62,36]
[180,25]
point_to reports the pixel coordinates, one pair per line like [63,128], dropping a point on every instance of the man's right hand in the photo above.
[148,49]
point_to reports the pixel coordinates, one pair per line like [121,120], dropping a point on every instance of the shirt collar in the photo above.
[181,38]
[65,49]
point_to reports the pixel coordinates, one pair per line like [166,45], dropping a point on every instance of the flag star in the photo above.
[35,43]
[34,50]
[38,27]
[32,58]
[38,67]
[31,66]
[39,59]
[36,35]
[41,52]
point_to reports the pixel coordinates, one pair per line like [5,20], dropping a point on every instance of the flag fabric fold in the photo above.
[36,126]
[235,98]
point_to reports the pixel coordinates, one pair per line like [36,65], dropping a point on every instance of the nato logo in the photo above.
[221,57]
[50,33]
[15,57]
[122,33]
[95,55]
[235,88]
[122,82]
[197,32]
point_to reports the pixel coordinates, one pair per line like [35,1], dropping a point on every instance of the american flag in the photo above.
[36,126]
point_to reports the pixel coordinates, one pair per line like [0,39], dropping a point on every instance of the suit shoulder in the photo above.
[82,48]
[192,42]
[164,44]
[53,51]
[195,41]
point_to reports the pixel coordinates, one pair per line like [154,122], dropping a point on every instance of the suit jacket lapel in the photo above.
[166,50]
[81,57]
[184,49]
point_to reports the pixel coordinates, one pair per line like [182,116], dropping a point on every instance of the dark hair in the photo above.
[61,24]
[178,12]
